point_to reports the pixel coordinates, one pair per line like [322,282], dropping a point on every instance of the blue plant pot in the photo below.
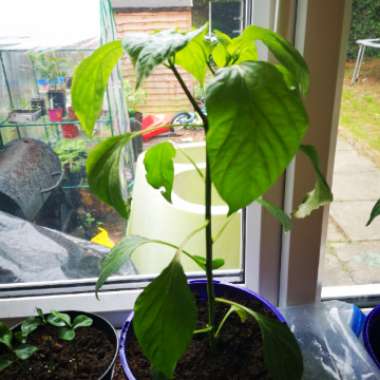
[371,334]
[199,289]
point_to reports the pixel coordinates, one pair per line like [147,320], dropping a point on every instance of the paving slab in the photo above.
[360,260]
[350,161]
[334,234]
[333,272]
[352,217]
[356,186]
[342,145]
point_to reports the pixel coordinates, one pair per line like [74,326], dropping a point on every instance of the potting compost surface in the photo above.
[238,354]
[84,358]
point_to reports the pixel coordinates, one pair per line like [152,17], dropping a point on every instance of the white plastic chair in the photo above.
[363,44]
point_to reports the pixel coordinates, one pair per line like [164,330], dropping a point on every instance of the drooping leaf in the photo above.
[90,82]
[82,320]
[321,193]
[25,351]
[201,261]
[165,317]
[5,335]
[193,57]
[149,50]
[5,361]
[103,172]
[374,213]
[66,333]
[282,355]
[220,55]
[285,53]
[277,212]
[58,319]
[118,256]
[256,126]
[30,325]
[159,167]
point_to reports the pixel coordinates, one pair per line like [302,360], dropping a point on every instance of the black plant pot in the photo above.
[100,324]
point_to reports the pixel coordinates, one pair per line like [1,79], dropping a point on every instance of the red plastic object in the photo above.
[70,131]
[55,114]
[159,121]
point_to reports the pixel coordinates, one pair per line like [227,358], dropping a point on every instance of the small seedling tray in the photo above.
[24,116]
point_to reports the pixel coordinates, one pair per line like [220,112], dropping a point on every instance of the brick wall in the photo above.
[164,95]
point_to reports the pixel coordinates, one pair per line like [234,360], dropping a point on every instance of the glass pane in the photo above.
[68,230]
[161,102]
[353,249]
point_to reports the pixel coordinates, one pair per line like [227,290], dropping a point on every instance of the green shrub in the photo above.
[365,24]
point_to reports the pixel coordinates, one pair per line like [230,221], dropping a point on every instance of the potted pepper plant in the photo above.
[254,124]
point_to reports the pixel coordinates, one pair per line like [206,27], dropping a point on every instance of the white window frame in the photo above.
[276,264]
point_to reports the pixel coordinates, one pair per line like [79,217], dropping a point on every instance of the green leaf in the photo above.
[149,50]
[25,351]
[193,57]
[201,261]
[285,53]
[5,361]
[82,320]
[90,82]
[321,193]
[159,167]
[66,333]
[118,256]
[242,49]
[58,319]
[165,317]
[103,172]
[256,126]
[282,355]
[277,212]
[220,55]
[30,325]
[374,213]
[41,315]
[5,335]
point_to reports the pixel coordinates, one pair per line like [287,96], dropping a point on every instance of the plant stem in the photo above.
[208,230]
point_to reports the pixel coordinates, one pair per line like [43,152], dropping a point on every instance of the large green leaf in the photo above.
[375,212]
[193,57]
[277,212]
[256,126]
[103,172]
[285,53]
[149,50]
[321,193]
[159,167]
[165,317]
[90,82]
[282,355]
[118,256]
[5,335]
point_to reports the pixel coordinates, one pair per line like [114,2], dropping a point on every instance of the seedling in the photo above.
[66,327]
[16,346]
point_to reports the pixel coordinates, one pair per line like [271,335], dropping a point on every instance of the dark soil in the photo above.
[238,353]
[85,358]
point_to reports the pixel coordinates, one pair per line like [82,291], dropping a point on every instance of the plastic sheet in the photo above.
[327,334]
[29,253]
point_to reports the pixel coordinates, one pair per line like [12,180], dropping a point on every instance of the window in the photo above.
[159,102]
[281,266]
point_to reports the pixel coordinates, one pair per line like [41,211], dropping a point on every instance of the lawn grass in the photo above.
[360,110]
